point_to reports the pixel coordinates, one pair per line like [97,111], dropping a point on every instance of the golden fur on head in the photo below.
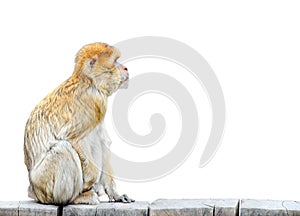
[95,50]
[91,50]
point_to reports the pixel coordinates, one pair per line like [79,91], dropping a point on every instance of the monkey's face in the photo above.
[101,65]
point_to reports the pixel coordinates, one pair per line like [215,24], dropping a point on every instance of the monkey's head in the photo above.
[99,62]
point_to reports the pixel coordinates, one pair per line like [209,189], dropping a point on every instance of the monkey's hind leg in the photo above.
[89,197]
[57,178]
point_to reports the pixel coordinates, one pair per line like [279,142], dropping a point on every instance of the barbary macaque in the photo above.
[66,145]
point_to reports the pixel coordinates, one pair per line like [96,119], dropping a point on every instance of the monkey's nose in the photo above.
[125,71]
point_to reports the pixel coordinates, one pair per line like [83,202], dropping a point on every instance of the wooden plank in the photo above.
[269,207]
[180,207]
[9,208]
[32,208]
[209,207]
[106,208]
[224,207]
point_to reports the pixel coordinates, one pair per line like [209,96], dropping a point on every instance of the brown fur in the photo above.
[59,140]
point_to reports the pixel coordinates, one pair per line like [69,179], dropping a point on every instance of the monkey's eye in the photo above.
[116,63]
[116,59]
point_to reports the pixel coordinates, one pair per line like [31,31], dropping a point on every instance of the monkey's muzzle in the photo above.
[124,83]
[124,76]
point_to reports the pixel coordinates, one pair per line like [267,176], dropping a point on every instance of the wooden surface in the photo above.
[170,207]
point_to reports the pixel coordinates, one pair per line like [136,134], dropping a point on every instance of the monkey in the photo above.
[66,145]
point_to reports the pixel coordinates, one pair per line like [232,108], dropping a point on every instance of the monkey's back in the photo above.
[68,113]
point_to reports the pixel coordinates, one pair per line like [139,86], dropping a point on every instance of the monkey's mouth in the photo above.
[124,83]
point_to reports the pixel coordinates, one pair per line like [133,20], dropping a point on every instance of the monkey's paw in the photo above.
[124,199]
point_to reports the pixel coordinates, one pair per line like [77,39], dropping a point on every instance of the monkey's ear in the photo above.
[92,62]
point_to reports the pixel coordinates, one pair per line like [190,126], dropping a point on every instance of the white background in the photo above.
[253,47]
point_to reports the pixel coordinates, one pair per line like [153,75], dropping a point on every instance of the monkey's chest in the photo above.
[93,144]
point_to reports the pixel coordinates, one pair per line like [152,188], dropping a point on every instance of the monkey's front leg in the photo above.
[108,183]
[106,179]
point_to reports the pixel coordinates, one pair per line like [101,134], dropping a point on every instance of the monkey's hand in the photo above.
[124,199]
[115,197]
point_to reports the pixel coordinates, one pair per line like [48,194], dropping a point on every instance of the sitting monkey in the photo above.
[66,146]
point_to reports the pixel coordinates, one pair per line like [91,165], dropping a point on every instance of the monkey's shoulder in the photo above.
[68,92]
[72,100]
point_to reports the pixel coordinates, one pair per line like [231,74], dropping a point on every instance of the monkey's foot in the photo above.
[88,197]
[124,199]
